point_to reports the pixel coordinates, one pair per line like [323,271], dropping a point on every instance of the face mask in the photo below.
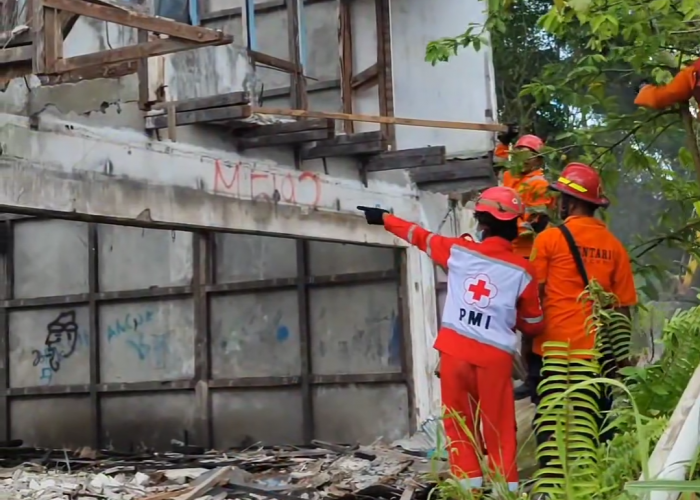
[479,236]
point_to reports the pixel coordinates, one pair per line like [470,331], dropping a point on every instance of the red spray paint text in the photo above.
[244,181]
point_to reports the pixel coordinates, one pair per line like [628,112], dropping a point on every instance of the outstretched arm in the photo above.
[530,318]
[437,247]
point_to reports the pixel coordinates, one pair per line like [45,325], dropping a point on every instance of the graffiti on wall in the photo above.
[142,335]
[62,340]
[273,330]
[244,180]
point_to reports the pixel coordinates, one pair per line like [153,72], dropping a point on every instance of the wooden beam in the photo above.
[37,24]
[53,38]
[413,122]
[286,133]
[197,103]
[346,67]
[199,116]
[406,159]
[365,143]
[274,62]
[384,75]
[366,78]
[456,171]
[16,54]
[136,20]
[132,53]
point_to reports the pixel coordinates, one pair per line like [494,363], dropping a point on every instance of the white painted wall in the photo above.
[460,90]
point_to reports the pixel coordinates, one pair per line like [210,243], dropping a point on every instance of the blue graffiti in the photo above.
[158,348]
[129,324]
[282,333]
[395,342]
[49,359]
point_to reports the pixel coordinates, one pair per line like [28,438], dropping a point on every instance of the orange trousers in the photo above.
[473,395]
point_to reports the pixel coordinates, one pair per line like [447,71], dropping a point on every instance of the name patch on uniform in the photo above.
[475,318]
[595,253]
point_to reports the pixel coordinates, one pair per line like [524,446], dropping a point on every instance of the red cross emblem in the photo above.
[479,291]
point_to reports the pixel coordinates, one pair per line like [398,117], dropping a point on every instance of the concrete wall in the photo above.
[147,331]
[89,157]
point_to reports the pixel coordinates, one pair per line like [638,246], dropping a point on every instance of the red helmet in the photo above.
[583,182]
[531,142]
[501,202]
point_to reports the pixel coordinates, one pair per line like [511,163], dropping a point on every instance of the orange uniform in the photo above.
[605,259]
[533,190]
[490,292]
[683,86]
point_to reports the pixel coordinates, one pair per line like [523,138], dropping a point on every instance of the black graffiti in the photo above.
[60,342]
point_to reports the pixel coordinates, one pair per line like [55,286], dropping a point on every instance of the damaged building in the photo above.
[181,254]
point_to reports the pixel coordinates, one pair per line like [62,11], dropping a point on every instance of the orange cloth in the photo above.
[473,393]
[502,151]
[533,189]
[606,261]
[678,90]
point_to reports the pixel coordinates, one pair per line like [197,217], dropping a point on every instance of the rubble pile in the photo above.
[281,473]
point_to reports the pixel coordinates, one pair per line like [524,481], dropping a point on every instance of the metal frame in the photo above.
[203,286]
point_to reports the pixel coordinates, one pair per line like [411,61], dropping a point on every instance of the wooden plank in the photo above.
[406,159]
[347,145]
[53,38]
[413,122]
[37,23]
[117,70]
[217,101]
[16,54]
[274,62]
[366,78]
[285,128]
[359,149]
[384,76]
[199,116]
[346,66]
[264,141]
[215,478]
[143,50]
[455,171]
[136,20]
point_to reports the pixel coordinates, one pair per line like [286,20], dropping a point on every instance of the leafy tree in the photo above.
[584,61]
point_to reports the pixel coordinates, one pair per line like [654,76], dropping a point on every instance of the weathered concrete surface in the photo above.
[71,170]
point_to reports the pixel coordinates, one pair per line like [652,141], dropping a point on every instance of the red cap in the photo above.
[583,182]
[531,142]
[501,202]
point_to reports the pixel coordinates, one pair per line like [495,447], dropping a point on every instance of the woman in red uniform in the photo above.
[490,292]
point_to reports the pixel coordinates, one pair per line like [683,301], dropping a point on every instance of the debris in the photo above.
[325,471]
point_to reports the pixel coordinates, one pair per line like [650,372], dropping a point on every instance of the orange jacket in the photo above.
[680,89]
[533,189]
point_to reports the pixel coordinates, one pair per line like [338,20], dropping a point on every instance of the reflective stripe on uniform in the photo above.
[410,234]
[532,321]
[427,245]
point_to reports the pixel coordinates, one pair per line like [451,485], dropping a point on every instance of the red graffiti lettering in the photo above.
[220,182]
[317,185]
[297,188]
[289,182]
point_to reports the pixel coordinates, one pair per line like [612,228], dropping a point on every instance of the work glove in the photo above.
[374,216]
[540,223]
[508,136]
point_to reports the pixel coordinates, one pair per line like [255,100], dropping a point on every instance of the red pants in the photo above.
[485,394]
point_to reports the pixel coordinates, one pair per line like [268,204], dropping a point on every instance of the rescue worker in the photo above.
[490,292]
[532,187]
[600,256]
